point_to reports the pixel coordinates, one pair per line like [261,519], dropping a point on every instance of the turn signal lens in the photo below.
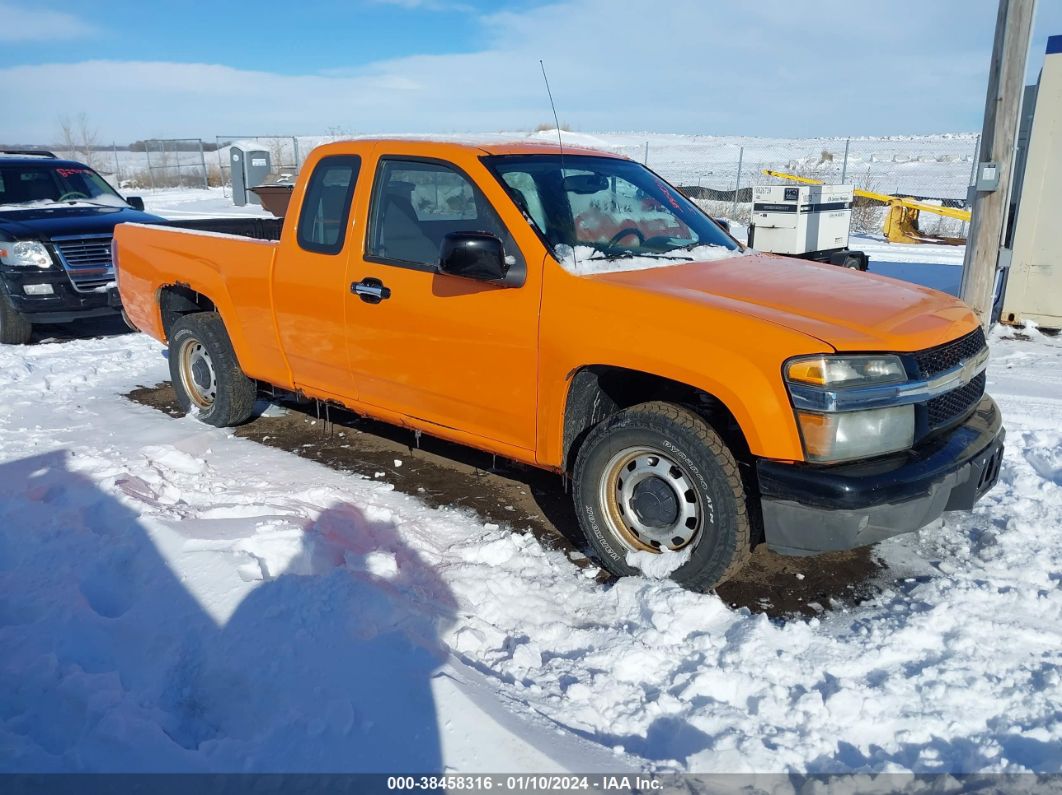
[845,371]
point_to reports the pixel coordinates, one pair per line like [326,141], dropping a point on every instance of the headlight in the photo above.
[25,254]
[838,372]
[846,405]
[847,435]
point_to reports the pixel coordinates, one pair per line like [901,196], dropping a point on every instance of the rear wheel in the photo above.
[655,478]
[205,373]
[15,329]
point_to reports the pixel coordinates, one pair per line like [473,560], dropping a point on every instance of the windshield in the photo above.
[37,183]
[604,213]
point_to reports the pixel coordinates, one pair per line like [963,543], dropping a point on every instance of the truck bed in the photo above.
[209,261]
[255,228]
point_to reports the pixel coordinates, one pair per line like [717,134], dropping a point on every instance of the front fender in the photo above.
[735,358]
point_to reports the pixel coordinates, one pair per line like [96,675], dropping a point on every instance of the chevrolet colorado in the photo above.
[571,310]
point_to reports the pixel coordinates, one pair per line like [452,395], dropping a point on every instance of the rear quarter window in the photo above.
[325,212]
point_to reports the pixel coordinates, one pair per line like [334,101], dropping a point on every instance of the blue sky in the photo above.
[769,68]
[343,34]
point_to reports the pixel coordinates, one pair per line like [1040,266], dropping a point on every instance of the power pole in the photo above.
[1006,82]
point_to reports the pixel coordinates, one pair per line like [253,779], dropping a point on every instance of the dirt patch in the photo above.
[525,499]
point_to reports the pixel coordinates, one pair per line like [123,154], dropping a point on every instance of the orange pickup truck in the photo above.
[571,310]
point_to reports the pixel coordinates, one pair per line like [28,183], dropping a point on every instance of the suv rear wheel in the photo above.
[205,373]
[655,478]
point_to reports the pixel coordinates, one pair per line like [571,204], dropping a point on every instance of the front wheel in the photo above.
[656,478]
[15,329]
[205,373]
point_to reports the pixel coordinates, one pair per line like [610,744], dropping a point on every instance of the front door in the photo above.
[453,351]
[310,281]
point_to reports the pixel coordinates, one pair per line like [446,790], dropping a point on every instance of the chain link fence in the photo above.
[173,163]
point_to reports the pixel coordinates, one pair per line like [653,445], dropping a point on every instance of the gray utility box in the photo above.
[801,220]
[249,167]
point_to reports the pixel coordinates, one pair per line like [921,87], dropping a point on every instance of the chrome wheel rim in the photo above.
[197,374]
[650,502]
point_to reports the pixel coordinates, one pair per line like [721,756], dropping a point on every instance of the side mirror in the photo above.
[135,202]
[473,255]
[723,223]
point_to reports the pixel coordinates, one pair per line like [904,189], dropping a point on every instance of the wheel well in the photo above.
[598,391]
[177,300]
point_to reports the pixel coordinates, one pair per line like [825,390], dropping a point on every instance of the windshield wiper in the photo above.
[100,204]
[639,254]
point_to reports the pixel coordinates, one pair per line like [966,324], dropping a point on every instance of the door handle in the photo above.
[370,290]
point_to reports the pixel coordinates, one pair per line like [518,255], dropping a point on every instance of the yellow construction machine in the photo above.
[901,221]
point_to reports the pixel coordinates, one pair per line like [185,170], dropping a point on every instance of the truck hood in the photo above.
[45,222]
[844,308]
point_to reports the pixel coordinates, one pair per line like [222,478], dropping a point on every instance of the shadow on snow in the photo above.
[111,663]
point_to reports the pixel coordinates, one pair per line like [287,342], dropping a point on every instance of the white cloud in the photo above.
[18,24]
[771,68]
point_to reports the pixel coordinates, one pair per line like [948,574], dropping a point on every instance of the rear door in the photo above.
[309,282]
[455,352]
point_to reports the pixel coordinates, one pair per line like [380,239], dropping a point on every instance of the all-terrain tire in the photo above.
[205,372]
[704,466]
[15,328]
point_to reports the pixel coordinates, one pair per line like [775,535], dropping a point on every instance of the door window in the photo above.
[326,206]
[417,203]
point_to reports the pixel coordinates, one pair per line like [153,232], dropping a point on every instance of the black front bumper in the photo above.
[64,305]
[809,509]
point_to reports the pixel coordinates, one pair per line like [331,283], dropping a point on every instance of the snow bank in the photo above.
[174,598]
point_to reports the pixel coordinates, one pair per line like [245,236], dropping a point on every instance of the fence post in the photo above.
[151,170]
[645,159]
[202,162]
[295,146]
[117,169]
[177,159]
[737,185]
[973,178]
[844,165]
[221,167]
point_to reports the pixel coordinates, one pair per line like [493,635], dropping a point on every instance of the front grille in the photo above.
[944,357]
[87,260]
[956,404]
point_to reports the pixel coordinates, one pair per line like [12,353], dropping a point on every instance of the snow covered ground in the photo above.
[175,598]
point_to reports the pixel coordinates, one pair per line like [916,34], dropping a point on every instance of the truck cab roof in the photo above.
[446,149]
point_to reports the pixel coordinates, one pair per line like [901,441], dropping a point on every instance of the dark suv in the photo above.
[57,218]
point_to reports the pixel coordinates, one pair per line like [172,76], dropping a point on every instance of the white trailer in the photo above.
[806,221]
[1034,282]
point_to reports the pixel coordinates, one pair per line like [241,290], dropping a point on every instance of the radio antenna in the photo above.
[556,121]
[560,139]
